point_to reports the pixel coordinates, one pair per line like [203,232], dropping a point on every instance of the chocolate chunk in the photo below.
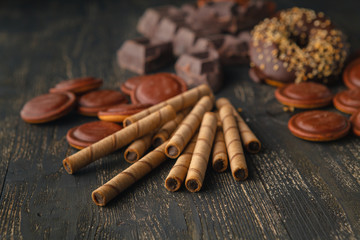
[209,42]
[203,2]
[235,50]
[199,68]
[149,21]
[250,14]
[188,8]
[167,29]
[212,19]
[232,49]
[184,40]
[143,56]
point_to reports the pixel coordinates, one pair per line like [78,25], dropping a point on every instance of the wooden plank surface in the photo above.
[296,189]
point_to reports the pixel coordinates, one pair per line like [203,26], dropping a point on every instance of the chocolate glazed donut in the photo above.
[297,45]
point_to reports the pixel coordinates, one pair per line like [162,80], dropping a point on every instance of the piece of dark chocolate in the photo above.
[204,2]
[235,49]
[167,29]
[199,68]
[142,56]
[184,40]
[188,8]
[149,21]
[209,42]
[252,13]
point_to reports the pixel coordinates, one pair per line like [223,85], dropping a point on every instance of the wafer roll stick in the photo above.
[129,176]
[188,127]
[178,172]
[117,140]
[201,154]
[165,131]
[138,148]
[234,148]
[219,154]
[250,141]
[179,102]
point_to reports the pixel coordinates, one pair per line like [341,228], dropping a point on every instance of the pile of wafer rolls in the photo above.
[185,128]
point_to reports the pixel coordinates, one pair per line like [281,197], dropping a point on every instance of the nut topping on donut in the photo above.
[298,45]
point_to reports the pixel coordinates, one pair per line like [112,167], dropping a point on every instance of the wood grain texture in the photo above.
[295,190]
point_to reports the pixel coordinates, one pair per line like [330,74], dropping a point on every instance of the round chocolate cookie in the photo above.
[347,101]
[93,102]
[119,112]
[158,87]
[78,85]
[355,121]
[129,85]
[304,95]
[297,45]
[351,74]
[84,135]
[319,125]
[48,107]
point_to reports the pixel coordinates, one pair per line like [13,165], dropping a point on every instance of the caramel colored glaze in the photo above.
[351,74]
[157,88]
[355,121]
[48,107]
[319,125]
[304,95]
[78,85]
[129,85]
[348,101]
[89,133]
[119,112]
[93,102]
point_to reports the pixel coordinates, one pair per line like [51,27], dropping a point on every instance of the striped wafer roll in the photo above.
[117,140]
[138,148]
[178,172]
[165,131]
[234,148]
[129,176]
[201,154]
[179,102]
[249,140]
[188,127]
[219,154]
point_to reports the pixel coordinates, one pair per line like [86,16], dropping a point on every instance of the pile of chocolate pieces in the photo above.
[202,36]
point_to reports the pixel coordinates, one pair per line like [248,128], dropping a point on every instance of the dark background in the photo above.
[295,190]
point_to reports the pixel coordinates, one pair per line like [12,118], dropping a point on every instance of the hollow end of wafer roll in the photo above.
[253,147]
[172,151]
[131,156]
[157,141]
[67,166]
[98,198]
[172,184]
[193,185]
[127,122]
[240,174]
[219,166]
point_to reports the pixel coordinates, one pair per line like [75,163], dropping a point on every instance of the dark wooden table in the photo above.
[295,190]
